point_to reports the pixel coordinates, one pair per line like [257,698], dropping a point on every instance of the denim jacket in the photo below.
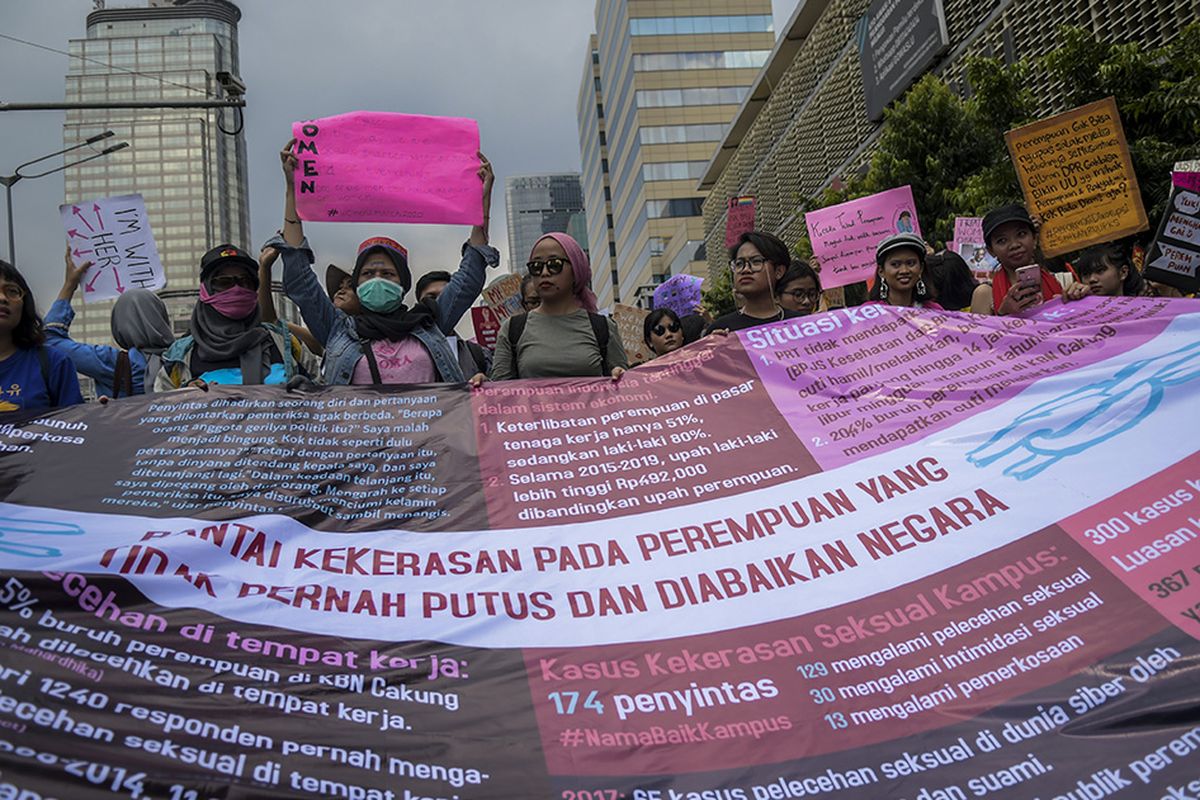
[336,329]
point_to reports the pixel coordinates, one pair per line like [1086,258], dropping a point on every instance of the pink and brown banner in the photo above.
[870,553]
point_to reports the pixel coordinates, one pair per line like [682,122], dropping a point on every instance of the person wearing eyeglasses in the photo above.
[563,336]
[32,375]
[663,331]
[800,289]
[758,261]
[229,343]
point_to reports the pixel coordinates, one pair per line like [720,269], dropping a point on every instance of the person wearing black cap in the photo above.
[900,273]
[339,285]
[229,343]
[1011,238]
[386,342]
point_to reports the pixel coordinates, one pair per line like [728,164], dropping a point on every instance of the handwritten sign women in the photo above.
[370,166]
[844,236]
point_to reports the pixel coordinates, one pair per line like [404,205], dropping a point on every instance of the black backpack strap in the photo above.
[44,363]
[516,326]
[123,376]
[369,353]
[600,328]
[478,356]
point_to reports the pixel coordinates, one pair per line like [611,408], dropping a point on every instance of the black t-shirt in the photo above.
[738,321]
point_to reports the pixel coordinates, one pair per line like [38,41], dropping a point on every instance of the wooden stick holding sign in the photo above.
[1076,175]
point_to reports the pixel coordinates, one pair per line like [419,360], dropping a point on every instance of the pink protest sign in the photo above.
[370,166]
[740,219]
[844,236]
[1186,180]
[968,229]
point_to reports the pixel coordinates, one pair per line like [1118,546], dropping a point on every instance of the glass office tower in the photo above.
[189,164]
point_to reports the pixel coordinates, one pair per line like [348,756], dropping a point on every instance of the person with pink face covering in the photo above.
[229,343]
[564,336]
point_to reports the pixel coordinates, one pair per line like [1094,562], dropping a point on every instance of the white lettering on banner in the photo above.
[830,538]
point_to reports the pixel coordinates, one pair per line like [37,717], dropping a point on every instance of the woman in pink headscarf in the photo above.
[564,337]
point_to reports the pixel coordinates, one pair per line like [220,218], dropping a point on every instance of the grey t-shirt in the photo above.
[556,347]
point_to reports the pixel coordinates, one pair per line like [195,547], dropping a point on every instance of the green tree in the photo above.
[1157,91]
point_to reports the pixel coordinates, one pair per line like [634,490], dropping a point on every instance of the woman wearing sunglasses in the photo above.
[758,262]
[564,336]
[663,331]
[32,375]
[229,343]
[800,289]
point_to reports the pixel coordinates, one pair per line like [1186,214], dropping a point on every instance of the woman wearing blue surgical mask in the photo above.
[229,343]
[385,342]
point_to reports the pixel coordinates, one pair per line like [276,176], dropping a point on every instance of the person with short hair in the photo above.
[799,289]
[32,375]
[758,261]
[472,358]
[663,331]
[900,273]
[140,326]
[1011,238]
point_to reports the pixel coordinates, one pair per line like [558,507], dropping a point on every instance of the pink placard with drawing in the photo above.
[844,236]
[370,166]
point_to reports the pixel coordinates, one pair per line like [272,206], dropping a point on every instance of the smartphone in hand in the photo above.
[1030,276]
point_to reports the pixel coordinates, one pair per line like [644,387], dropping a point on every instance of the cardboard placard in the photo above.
[370,166]
[630,323]
[1076,175]
[1173,257]
[114,234]
[739,220]
[844,236]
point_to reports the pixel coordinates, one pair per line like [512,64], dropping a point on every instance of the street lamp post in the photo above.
[9,180]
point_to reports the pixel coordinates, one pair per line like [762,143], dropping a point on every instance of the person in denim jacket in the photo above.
[386,342]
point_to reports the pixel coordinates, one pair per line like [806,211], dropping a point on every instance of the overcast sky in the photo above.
[515,66]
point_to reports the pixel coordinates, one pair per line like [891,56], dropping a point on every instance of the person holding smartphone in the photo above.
[1020,282]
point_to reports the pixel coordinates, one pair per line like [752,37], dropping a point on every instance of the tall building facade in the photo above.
[662,80]
[806,123]
[191,172]
[541,204]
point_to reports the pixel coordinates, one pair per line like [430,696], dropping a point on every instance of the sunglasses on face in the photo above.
[223,282]
[804,294]
[659,330]
[12,293]
[551,266]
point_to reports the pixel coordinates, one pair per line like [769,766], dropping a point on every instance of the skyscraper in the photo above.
[541,204]
[662,79]
[188,163]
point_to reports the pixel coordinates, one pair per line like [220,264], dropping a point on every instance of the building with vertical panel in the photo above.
[189,164]
[661,81]
[805,123]
[541,204]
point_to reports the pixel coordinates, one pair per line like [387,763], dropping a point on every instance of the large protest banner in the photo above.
[871,553]
[1076,173]
[374,166]
[114,234]
[844,236]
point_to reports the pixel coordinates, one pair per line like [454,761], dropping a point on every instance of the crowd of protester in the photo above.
[358,329]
